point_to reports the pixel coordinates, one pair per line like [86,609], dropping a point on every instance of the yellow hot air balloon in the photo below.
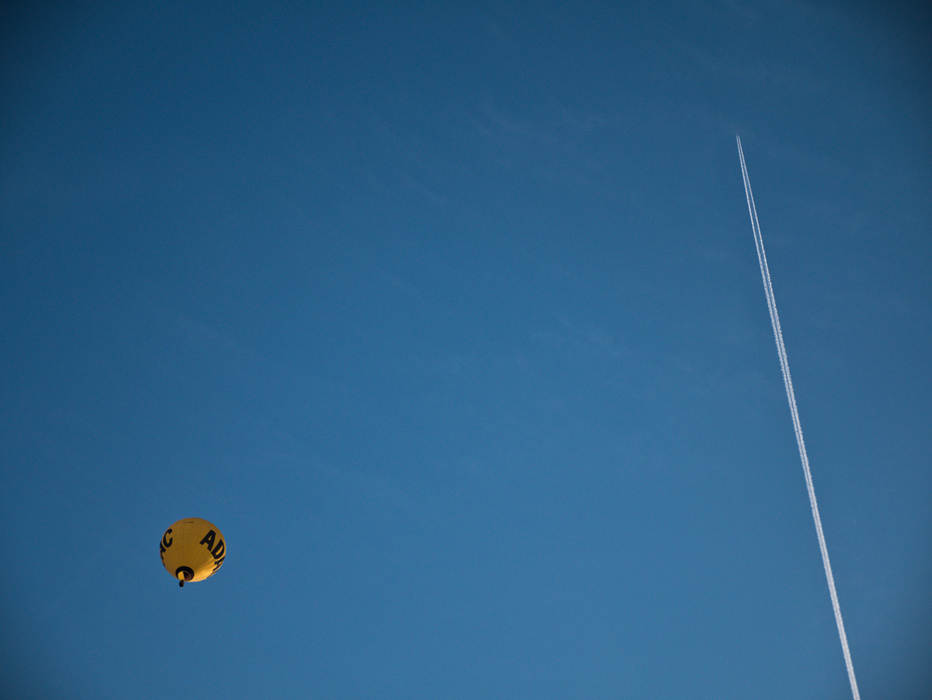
[192,549]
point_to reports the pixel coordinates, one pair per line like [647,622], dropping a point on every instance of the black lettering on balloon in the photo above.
[209,539]
[218,550]
[165,544]
[218,563]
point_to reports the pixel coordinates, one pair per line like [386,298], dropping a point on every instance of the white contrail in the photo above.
[784,365]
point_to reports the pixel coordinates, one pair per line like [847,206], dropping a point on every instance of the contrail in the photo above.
[791,397]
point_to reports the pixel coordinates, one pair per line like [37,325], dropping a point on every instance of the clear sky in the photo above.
[449,316]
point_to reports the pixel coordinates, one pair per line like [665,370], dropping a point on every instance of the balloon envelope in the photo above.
[192,549]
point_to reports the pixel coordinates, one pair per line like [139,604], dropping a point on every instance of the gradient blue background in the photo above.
[449,316]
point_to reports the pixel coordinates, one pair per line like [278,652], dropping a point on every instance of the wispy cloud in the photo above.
[372,487]
[555,145]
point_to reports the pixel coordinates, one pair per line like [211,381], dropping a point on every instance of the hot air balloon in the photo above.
[192,549]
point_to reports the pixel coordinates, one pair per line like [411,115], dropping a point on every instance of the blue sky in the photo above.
[449,316]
